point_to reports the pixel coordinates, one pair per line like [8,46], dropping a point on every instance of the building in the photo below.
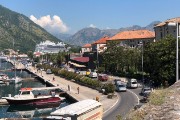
[133,38]
[164,28]
[86,48]
[49,47]
[100,45]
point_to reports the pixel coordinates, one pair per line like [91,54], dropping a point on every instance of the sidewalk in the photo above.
[84,92]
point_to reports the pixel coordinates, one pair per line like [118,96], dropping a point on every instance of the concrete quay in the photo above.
[84,92]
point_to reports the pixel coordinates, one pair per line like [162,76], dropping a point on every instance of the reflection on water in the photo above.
[27,111]
[7,111]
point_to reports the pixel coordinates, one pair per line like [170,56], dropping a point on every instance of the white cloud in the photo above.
[52,25]
[93,26]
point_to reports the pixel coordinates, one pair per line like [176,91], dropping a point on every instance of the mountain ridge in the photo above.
[20,29]
[90,35]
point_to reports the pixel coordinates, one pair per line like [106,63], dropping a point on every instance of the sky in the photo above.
[69,16]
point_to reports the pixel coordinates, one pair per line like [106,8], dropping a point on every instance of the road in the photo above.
[126,102]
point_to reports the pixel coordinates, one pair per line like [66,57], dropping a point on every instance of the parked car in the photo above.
[102,77]
[93,75]
[48,71]
[145,98]
[145,90]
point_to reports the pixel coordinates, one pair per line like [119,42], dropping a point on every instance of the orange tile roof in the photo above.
[102,40]
[87,46]
[133,34]
[177,19]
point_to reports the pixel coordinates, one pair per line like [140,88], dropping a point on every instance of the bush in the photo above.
[158,97]
[109,88]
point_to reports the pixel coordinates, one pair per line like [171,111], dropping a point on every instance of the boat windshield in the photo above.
[24,93]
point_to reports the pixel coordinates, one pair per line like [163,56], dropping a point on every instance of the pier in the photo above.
[72,92]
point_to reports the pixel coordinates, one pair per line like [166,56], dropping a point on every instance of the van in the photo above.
[132,83]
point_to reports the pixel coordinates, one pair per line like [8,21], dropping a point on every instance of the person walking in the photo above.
[53,79]
[78,89]
[69,88]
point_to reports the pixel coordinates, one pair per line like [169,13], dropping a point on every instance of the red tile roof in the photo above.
[102,40]
[87,46]
[81,59]
[133,34]
[177,19]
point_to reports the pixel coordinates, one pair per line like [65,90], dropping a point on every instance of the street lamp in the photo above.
[141,44]
[177,47]
[97,57]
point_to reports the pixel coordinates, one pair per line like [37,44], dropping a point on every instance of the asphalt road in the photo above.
[126,102]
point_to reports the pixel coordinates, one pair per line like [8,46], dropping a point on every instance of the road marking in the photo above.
[135,95]
[112,106]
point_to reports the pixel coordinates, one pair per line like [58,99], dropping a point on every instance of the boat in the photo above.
[3,78]
[35,96]
[15,79]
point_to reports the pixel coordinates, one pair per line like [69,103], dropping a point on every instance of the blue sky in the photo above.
[73,15]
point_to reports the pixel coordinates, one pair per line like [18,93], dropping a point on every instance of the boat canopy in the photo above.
[42,88]
[77,108]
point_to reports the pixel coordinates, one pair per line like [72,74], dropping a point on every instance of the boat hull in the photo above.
[36,102]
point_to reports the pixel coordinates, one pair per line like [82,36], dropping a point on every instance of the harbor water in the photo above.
[9,111]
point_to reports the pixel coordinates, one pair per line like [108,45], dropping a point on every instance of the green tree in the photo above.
[159,60]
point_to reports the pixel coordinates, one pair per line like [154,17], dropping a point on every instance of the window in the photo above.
[25,92]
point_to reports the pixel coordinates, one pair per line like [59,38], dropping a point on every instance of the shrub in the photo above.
[158,97]
[109,88]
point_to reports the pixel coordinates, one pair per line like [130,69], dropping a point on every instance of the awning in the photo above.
[75,64]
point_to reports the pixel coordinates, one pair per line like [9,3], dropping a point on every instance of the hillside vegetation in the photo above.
[20,29]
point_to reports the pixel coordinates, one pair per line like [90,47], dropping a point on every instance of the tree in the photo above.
[121,59]
[159,61]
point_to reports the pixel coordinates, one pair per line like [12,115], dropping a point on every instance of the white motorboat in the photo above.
[3,78]
[16,80]
[34,97]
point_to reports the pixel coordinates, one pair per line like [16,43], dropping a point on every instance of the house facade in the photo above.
[165,28]
[100,45]
[86,48]
[133,38]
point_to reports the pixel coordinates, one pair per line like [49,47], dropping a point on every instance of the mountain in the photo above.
[20,29]
[89,35]
[62,36]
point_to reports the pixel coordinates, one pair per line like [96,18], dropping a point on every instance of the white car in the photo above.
[121,87]
[93,75]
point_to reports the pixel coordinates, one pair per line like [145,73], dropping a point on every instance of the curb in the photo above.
[112,105]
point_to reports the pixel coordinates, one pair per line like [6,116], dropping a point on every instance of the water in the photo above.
[7,111]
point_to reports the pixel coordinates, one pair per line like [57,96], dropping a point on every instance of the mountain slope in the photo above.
[89,35]
[20,29]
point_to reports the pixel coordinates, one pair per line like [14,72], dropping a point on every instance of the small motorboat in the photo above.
[34,97]
[15,80]
[3,78]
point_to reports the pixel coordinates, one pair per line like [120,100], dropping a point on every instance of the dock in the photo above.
[62,83]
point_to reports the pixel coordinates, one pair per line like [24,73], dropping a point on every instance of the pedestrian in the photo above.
[53,79]
[69,88]
[78,89]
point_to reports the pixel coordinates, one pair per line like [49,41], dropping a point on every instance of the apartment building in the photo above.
[165,28]
[100,45]
[86,48]
[133,38]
